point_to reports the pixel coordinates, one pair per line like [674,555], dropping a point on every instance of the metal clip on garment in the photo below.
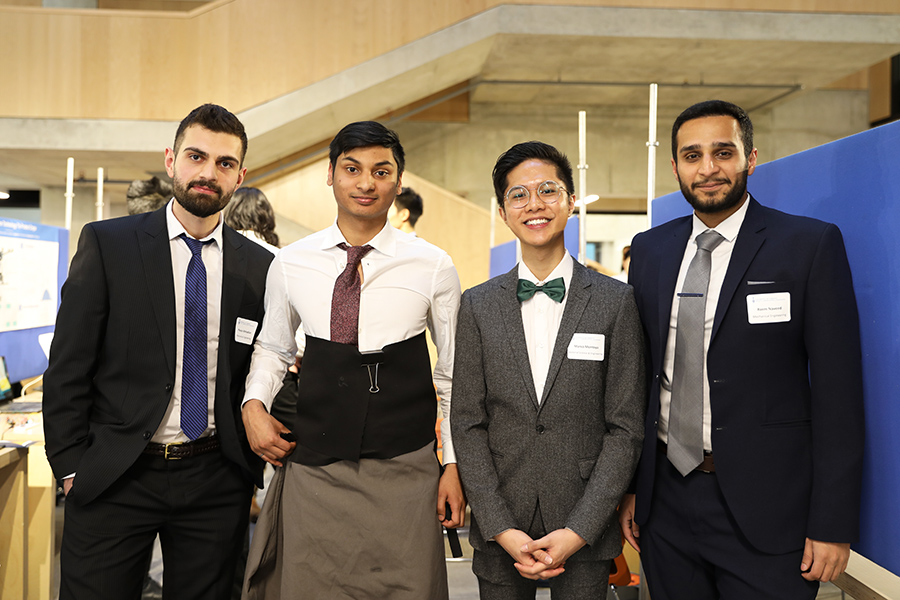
[373,377]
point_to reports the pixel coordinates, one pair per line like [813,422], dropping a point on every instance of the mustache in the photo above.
[207,184]
[697,184]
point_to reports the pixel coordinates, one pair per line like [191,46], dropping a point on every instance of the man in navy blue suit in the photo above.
[750,475]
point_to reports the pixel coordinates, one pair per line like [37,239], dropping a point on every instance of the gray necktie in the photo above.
[685,445]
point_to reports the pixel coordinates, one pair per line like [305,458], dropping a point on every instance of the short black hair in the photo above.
[715,108]
[533,150]
[412,202]
[215,118]
[363,134]
[249,209]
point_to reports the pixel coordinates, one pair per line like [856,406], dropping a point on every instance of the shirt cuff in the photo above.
[257,392]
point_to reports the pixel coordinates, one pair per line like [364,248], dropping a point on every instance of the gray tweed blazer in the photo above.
[575,451]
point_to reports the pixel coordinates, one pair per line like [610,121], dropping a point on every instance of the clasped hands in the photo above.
[543,558]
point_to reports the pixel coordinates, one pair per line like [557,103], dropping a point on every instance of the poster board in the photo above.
[33,266]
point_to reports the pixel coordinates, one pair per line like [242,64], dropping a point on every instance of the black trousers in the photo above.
[691,547]
[199,506]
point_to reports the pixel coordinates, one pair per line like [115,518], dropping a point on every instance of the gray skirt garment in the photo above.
[366,530]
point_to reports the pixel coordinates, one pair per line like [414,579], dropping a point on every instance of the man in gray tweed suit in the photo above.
[548,399]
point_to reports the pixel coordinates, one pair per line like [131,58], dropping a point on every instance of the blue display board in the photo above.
[854,183]
[33,266]
[503,256]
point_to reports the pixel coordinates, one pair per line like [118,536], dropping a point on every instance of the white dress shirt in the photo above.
[541,317]
[299,337]
[407,285]
[721,256]
[170,429]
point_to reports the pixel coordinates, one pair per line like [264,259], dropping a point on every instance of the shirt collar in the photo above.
[385,241]
[563,269]
[175,228]
[728,228]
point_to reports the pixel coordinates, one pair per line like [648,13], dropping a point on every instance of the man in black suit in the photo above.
[749,487]
[147,367]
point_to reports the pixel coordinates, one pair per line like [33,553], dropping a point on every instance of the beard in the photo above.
[200,205]
[732,198]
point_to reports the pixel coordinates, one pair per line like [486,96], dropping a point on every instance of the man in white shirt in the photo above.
[548,398]
[743,490]
[362,498]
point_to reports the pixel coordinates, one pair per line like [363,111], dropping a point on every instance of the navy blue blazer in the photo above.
[112,360]
[786,398]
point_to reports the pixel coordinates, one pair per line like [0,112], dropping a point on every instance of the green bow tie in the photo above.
[555,289]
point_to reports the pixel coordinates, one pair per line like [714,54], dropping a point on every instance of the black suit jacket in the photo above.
[786,398]
[112,360]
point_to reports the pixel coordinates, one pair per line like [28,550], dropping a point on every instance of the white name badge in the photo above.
[244,330]
[769,308]
[587,346]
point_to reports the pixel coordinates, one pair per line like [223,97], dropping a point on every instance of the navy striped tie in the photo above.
[194,363]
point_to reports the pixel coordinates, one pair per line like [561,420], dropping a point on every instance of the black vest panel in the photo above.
[356,405]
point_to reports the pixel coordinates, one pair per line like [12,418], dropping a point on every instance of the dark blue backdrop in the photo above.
[854,183]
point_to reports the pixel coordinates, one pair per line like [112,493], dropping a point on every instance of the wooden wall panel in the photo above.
[880,91]
[65,63]
[165,5]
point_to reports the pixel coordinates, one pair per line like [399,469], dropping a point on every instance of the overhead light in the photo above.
[4,195]
[587,200]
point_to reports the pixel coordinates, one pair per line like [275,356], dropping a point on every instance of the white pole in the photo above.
[582,184]
[99,203]
[70,176]
[652,144]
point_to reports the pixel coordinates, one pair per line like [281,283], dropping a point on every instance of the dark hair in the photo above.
[363,134]
[147,195]
[519,153]
[715,108]
[215,118]
[626,254]
[412,202]
[249,209]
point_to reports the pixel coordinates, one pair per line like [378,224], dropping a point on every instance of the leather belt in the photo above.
[707,466]
[179,450]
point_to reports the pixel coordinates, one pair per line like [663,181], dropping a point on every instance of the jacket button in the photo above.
[147,435]
[539,429]
[168,387]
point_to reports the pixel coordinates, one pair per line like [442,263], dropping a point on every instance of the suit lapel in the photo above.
[672,253]
[511,312]
[749,240]
[234,270]
[157,262]
[579,294]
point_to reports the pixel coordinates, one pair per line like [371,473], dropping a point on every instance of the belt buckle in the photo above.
[166,455]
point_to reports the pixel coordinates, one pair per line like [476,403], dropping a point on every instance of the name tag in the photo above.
[587,346]
[244,330]
[769,308]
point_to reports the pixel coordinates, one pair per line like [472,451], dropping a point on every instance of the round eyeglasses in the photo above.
[548,192]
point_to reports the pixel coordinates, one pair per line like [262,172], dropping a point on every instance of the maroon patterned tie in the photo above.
[345,300]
